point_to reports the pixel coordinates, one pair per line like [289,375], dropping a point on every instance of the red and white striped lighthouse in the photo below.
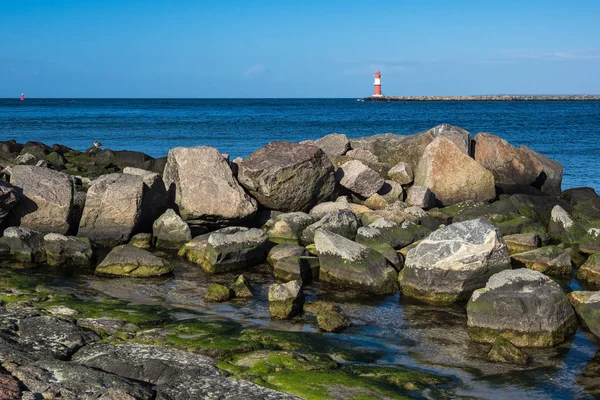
[377,85]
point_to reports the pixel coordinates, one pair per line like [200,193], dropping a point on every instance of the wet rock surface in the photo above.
[525,307]
[350,281]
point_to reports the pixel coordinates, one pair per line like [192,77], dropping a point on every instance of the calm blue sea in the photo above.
[566,131]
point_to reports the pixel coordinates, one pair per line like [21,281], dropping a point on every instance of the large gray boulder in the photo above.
[8,199]
[113,209]
[449,264]
[47,197]
[170,231]
[335,144]
[341,222]
[67,251]
[128,260]
[512,167]
[525,307]
[401,173]
[288,176]
[24,246]
[358,178]
[228,249]
[452,175]
[392,149]
[348,264]
[154,200]
[203,187]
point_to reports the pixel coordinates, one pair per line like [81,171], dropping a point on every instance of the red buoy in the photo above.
[22,96]
[377,85]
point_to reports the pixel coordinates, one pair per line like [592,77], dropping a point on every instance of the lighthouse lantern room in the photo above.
[377,85]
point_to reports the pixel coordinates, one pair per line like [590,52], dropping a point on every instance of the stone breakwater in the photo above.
[574,97]
[442,216]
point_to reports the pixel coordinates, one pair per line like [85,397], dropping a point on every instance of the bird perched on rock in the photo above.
[97,144]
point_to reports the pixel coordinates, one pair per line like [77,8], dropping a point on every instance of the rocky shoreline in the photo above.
[573,97]
[442,217]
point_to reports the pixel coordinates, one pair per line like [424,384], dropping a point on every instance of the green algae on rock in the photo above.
[504,351]
[217,293]
[551,260]
[346,263]
[128,260]
[523,306]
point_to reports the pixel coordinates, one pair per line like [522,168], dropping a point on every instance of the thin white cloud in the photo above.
[254,70]
[538,55]
[499,57]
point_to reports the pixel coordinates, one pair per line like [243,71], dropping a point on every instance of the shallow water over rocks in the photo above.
[396,331]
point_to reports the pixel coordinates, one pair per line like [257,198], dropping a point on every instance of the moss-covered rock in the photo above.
[127,260]
[242,288]
[329,317]
[523,306]
[504,351]
[588,310]
[346,263]
[302,268]
[141,241]
[590,271]
[67,251]
[288,227]
[217,293]
[286,300]
[522,242]
[551,260]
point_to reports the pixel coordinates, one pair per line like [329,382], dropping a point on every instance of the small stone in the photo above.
[217,293]
[358,178]
[376,202]
[420,196]
[241,287]
[170,231]
[522,242]
[401,173]
[329,316]
[286,300]
[141,241]
[391,192]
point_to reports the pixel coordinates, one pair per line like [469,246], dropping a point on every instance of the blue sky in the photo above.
[226,48]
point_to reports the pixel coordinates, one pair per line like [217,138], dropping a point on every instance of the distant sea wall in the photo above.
[488,98]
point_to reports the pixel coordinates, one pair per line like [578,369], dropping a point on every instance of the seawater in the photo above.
[567,131]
